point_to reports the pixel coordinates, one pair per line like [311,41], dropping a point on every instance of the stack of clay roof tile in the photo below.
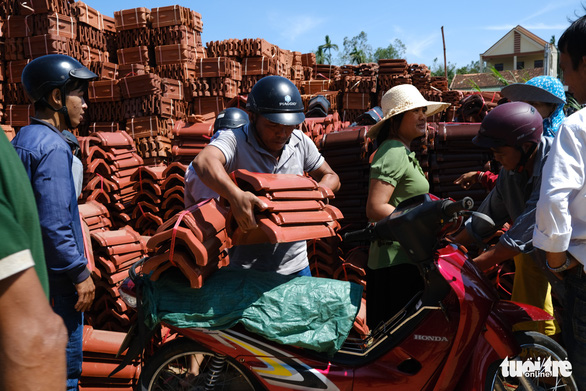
[451,153]
[100,358]
[324,255]
[313,87]
[453,98]
[216,76]
[392,72]
[308,61]
[97,38]
[333,97]
[147,215]
[420,76]
[258,58]
[156,53]
[115,251]
[326,72]
[110,160]
[159,195]
[31,31]
[95,215]
[348,152]
[297,209]
[326,259]
[317,127]
[173,188]
[194,240]
[190,138]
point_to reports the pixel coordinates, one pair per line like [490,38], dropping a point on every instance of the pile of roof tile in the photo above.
[316,127]
[115,251]
[147,213]
[326,259]
[94,218]
[173,187]
[159,195]
[348,152]
[190,138]
[194,240]
[100,358]
[297,209]
[451,153]
[110,160]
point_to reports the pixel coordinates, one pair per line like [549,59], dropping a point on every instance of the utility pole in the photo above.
[445,62]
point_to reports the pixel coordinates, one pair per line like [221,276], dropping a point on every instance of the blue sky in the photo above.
[470,27]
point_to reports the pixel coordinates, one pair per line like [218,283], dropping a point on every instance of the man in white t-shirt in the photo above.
[269,144]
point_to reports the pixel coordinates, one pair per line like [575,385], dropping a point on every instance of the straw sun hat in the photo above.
[401,98]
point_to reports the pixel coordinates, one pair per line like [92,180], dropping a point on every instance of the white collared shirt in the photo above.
[561,209]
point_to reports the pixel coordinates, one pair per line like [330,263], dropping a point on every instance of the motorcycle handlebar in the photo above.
[449,209]
[365,234]
[452,208]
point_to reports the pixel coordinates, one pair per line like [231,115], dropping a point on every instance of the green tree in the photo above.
[473,67]
[357,56]
[326,49]
[319,55]
[395,50]
[437,69]
[356,48]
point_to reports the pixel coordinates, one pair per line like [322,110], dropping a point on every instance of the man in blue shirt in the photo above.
[56,84]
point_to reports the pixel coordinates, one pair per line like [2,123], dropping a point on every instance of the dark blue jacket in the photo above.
[47,158]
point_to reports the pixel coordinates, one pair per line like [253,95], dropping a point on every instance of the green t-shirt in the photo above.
[394,164]
[21,242]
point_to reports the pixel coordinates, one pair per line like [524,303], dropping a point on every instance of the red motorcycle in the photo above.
[455,334]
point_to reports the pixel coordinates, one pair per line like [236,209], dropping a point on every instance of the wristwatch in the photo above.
[559,268]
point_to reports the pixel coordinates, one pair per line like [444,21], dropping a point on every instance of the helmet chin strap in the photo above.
[525,157]
[62,110]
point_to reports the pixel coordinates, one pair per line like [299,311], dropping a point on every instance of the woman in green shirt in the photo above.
[395,175]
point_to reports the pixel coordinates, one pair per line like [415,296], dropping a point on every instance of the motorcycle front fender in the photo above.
[515,312]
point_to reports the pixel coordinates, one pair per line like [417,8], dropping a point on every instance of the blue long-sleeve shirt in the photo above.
[47,159]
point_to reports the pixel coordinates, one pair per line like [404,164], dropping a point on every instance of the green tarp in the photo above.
[309,312]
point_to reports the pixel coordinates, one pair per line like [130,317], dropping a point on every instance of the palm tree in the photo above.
[358,56]
[327,47]
[319,55]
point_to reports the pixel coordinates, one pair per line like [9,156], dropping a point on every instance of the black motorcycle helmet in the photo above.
[231,118]
[43,74]
[277,99]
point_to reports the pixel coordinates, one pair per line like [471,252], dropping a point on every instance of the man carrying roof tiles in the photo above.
[269,144]
[56,84]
